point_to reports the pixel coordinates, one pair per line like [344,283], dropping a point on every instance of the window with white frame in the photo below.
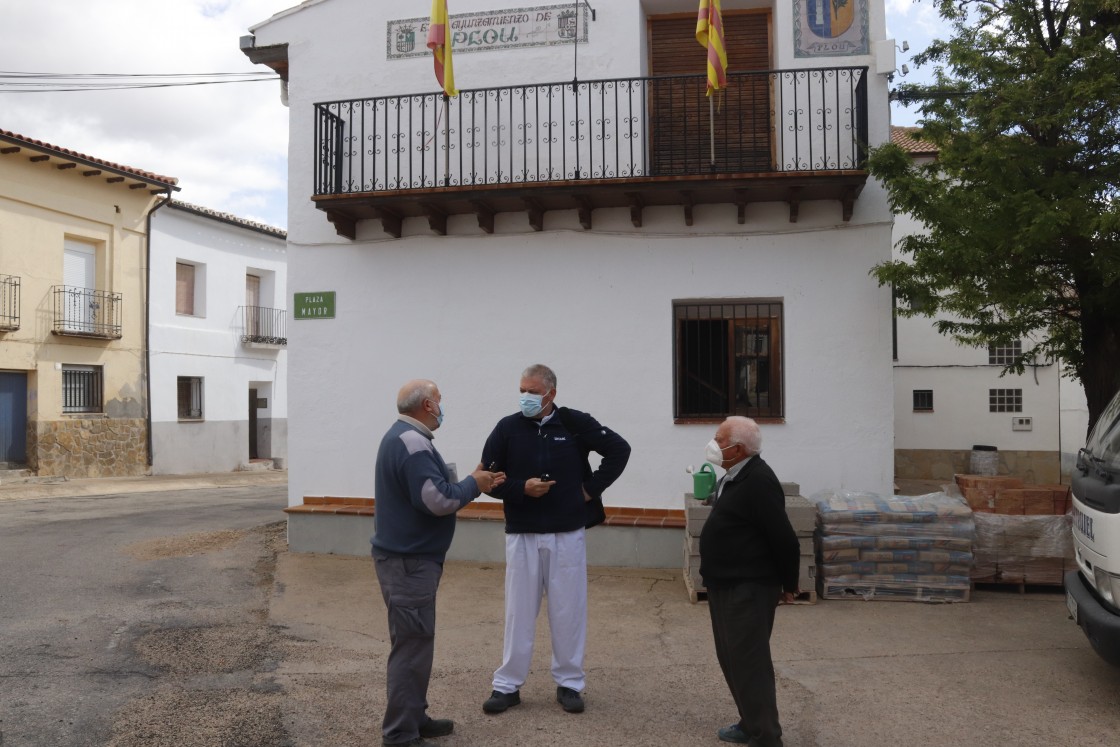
[1002,355]
[81,389]
[1005,400]
[190,397]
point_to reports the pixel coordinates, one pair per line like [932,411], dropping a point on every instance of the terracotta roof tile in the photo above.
[55,150]
[230,218]
[904,138]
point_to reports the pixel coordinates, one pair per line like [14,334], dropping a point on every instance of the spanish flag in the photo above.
[709,32]
[439,41]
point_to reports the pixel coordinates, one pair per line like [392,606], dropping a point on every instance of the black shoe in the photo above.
[418,742]
[569,700]
[436,727]
[498,702]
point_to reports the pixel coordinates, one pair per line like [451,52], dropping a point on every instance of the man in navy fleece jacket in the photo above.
[414,522]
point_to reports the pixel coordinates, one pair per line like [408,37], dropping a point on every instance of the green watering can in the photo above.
[703,482]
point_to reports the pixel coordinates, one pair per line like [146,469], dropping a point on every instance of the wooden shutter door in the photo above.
[679,117]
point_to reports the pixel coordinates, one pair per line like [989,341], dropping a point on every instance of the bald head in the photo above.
[410,399]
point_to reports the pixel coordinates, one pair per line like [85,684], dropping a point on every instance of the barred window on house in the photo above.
[923,400]
[1005,400]
[727,359]
[190,397]
[81,389]
[1002,355]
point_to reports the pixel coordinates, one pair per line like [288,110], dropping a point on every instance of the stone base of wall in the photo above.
[1036,467]
[88,447]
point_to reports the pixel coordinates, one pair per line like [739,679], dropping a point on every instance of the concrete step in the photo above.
[25,476]
[256,465]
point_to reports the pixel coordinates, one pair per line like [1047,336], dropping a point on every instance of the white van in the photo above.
[1093,591]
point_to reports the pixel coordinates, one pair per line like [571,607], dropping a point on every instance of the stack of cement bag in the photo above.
[911,548]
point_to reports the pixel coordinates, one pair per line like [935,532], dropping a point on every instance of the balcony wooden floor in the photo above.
[484,201]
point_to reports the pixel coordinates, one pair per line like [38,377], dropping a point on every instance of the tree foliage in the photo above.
[1021,205]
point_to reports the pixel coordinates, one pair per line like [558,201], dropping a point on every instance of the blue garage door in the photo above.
[13,417]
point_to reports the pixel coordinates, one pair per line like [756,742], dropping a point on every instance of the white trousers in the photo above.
[536,565]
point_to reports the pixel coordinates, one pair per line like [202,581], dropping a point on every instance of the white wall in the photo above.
[471,310]
[209,345]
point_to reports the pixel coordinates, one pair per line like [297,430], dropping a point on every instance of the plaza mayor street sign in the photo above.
[318,305]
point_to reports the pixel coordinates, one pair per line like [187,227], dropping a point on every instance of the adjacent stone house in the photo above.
[73,258]
[218,342]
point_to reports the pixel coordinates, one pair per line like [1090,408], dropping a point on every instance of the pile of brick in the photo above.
[1022,531]
[915,548]
[802,515]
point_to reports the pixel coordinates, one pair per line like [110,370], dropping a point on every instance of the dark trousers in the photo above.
[408,586]
[742,620]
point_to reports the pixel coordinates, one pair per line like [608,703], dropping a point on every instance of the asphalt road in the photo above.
[121,612]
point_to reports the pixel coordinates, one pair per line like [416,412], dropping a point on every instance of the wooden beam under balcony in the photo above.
[436,204]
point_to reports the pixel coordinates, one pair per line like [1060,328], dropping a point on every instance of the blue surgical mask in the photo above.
[439,418]
[531,404]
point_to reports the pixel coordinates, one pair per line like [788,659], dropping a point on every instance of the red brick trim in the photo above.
[620,516]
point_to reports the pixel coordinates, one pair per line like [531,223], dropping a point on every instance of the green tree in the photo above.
[1021,205]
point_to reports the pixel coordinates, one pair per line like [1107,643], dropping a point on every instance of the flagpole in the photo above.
[446,140]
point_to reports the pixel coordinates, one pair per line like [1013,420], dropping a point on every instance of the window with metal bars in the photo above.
[81,389]
[1002,355]
[1005,400]
[190,397]
[727,359]
[923,400]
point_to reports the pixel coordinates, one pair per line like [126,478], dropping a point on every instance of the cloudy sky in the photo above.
[225,143]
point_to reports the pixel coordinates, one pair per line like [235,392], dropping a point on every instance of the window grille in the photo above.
[923,400]
[728,359]
[1002,355]
[81,389]
[1005,400]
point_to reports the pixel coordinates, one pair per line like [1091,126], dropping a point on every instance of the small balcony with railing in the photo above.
[9,303]
[778,135]
[86,312]
[263,327]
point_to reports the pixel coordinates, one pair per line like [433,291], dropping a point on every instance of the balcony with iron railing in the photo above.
[85,312]
[9,303]
[776,135]
[263,326]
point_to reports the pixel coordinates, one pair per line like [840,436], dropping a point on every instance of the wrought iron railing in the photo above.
[86,312]
[263,325]
[9,303]
[769,121]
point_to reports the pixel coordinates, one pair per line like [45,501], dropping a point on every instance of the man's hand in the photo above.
[586,496]
[789,597]
[486,480]
[535,487]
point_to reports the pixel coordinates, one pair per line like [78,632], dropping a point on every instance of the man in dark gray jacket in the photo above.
[414,522]
[749,559]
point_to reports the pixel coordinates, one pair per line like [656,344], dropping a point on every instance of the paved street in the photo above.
[106,599]
[177,618]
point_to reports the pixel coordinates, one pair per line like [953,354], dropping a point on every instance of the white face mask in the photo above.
[714,454]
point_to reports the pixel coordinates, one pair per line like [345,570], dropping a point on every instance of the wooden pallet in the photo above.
[701,595]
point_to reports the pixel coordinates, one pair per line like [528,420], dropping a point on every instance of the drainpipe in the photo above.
[148,324]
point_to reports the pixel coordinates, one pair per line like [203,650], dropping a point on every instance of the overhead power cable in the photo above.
[28,82]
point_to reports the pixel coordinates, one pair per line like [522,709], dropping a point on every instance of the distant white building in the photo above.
[671,266]
[949,398]
[218,342]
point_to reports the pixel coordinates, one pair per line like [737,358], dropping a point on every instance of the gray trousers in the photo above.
[408,586]
[742,620]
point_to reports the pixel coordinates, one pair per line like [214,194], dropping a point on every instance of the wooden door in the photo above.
[680,118]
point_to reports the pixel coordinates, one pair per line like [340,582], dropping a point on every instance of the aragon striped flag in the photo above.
[439,41]
[709,32]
